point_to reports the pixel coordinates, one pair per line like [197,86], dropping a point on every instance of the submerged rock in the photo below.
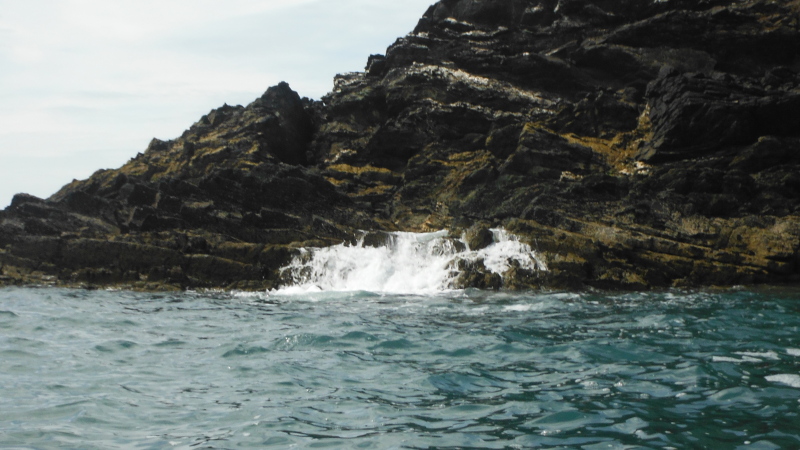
[632,144]
[474,274]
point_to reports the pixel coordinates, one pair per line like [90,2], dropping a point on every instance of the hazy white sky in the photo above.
[85,84]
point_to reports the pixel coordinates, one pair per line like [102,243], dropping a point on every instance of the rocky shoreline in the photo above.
[633,144]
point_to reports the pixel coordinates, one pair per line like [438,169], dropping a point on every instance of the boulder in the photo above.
[478,237]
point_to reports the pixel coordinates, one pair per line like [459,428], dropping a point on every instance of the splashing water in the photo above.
[405,263]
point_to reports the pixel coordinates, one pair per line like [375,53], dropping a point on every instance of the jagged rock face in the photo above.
[635,143]
[219,206]
[596,128]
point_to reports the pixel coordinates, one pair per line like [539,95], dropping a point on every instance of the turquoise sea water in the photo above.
[106,370]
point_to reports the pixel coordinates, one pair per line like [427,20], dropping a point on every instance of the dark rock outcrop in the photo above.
[478,237]
[634,144]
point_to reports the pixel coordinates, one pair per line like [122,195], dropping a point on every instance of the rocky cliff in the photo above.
[634,143]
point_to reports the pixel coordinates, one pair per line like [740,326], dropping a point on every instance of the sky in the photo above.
[86,84]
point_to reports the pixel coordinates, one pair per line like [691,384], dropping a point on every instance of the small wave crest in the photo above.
[785,378]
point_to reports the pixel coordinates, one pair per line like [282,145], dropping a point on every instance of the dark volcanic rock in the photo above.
[634,144]
[473,274]
[692,115]
[478,237]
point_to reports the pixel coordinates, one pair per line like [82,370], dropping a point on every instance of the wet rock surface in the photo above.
[634,144]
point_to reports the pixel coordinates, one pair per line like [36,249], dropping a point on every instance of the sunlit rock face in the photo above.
[631,144]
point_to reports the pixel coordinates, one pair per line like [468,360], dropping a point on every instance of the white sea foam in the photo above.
[745,359]
[748,357]
[408,263]
[793,351]
[785,378]
[520,308]
[761,355]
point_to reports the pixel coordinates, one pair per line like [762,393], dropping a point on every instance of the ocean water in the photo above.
[352,369]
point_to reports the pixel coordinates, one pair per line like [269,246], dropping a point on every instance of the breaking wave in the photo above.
[403,263]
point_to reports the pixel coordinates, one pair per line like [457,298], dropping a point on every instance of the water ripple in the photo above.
[475,370]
